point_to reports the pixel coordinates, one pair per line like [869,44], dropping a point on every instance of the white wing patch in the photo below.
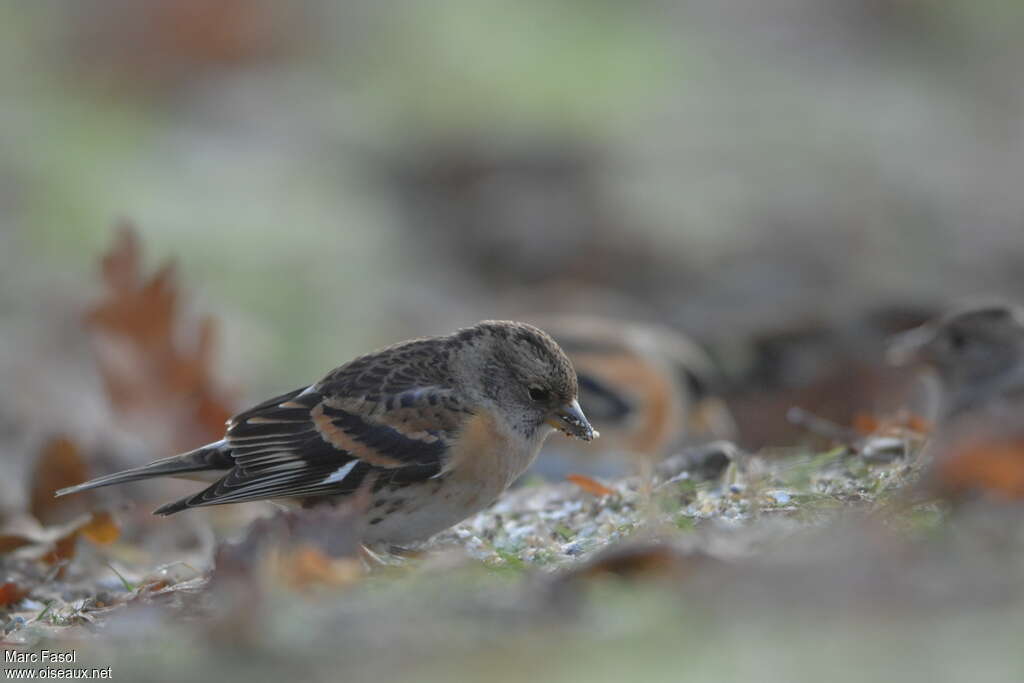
[340,473]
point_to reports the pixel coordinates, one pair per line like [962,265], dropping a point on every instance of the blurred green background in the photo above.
[333,176]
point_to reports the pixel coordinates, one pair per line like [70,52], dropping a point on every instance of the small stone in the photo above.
[883,449]
[573,549]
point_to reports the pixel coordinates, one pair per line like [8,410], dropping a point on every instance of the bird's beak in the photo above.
[910,347]
[569,419]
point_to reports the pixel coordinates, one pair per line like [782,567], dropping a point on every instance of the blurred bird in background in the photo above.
[648,389]
[832,368]
[977,356]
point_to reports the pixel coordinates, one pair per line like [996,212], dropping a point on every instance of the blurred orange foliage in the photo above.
[145,367]
[991,466]
[162,45]
[217,32]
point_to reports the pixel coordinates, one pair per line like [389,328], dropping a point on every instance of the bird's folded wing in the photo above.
[318,441]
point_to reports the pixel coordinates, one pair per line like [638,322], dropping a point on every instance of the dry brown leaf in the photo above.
[63,550]
[10,593]
[591,486]
[146,369]
[152,585]
[308,566]
[11,542]
[56,544]
[22,531]
[120,265]
[299,547]
[633,562]
[101,529]
[60,464]
[638,562]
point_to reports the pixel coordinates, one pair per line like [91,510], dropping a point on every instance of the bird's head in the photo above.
[969,348]
[520,373]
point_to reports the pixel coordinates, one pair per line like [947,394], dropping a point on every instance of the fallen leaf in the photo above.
[63,549]
[52,544]
[11,542]
[300,547]
[633,562]
[147,363]
[591,486]
[101,529]
[23,531]
[153,585]
[307,566]
[10,593]
[646,562]
[59,465]
[120,265]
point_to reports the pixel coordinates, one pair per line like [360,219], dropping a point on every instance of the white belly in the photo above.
[436,504]
[425,510]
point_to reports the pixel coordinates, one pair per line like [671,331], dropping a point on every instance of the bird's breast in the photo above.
[489,454]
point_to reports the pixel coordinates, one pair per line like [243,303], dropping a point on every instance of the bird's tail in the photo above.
[209,458]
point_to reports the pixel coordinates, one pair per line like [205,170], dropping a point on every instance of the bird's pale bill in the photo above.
[569,419]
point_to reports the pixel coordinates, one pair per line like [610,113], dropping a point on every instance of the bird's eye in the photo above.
[539,394]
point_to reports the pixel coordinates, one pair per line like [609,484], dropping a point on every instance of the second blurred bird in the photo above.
[648,389]
[977,355]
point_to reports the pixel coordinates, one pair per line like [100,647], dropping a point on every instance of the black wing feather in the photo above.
[280,452]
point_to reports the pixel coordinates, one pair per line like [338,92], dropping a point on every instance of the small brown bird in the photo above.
[435,429]
[977,354]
